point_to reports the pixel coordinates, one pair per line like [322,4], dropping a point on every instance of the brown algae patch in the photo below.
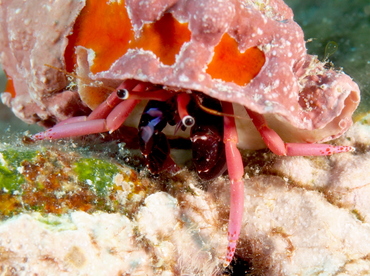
[49,180]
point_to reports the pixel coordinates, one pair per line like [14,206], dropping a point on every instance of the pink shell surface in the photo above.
[32,34]
[294,90]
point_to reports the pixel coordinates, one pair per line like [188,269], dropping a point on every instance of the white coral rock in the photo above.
[303,216]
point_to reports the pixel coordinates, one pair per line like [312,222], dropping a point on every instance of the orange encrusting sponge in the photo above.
[10,87]
[106,29]
[230,65]
[103,27]
[164,38]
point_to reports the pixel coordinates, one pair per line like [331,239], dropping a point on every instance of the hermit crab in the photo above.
[222,73]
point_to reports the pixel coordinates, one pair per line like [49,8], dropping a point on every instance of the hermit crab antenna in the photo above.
[215,112]
[86,80]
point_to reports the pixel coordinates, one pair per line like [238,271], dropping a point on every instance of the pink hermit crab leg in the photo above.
[298,149]
[72,120]
[103,110]
[158,95]
[143,86]
[109,115]
[119,114]
[279,147]
[114,120]
[121,111]
[73,129]
[235,170]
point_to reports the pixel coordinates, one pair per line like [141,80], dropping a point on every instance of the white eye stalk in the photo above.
[188,121]
[123,94]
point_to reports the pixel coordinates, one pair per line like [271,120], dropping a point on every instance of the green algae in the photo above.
[330,49]
[55,222]
[11,178]
[96,173]
[52,180]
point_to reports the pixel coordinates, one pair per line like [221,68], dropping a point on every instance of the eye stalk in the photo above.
[123,94]
[188,121]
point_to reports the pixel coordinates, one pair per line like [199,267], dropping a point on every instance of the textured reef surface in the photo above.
[71,208]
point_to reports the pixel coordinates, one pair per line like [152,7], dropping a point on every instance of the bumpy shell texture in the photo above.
[247,52]
[33,34]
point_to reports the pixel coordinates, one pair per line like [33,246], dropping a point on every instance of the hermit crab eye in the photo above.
[188,121]
[123,94]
